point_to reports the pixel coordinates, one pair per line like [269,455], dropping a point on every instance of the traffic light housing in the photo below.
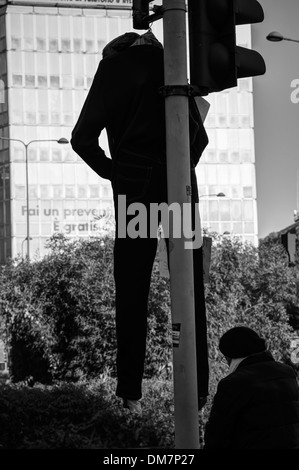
[216,62]
[141,14]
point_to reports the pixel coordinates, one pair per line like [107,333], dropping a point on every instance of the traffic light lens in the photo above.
[218,11]
[219,60]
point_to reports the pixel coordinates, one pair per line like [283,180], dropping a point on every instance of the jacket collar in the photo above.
[264,356]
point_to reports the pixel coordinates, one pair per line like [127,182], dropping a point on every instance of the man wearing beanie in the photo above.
[256,405]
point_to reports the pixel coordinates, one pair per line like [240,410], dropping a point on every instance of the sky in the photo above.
[276,117]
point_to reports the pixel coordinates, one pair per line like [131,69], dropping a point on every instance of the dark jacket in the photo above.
[255,407]
[124,98]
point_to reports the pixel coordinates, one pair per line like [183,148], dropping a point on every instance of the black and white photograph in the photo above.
[149,228]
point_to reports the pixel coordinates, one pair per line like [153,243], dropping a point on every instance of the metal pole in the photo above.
[27,202]
[297,191]
[181,259]
[289,39]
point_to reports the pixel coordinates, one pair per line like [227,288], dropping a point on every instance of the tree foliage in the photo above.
[252,286]
[58,312]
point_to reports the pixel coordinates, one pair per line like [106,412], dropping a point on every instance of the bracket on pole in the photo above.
[180,90]
[157,15]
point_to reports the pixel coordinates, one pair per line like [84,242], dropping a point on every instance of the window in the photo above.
[42,106]
[213,210]
[46,229]
[65,28]
[56,155]
[248,210]
[225,227]
[106,191]
[249,227]
[30,104]
[32,155]
[82,192]
[79,81]
[70,192]
[248,191]
[33,191]
[223,174]
[15,43]
[17,63]
[245,84]
[235,157]
[53,45]
[224,210]
[54,102]
[89,34]
[78,34]
[65,45]
[28,32]
[236,210]
[91,62]
[16,31]
[77,45]
[237,228]
[234,172]
[44,191]
[94,191]
[69,156]
[223,157]
[222,139]
[30,81]
[54,81]
[42,81]
[41,44]
[41,63]
[17,80]
[79,70]
[89,45]
[57,191]
[29,65]
[44,155]
[236,191]
[66,71]
[101,31]
[211,174]
[18,154]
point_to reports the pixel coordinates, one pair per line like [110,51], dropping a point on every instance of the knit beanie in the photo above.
[241,341]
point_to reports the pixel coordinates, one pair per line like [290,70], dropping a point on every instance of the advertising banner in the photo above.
[71,217]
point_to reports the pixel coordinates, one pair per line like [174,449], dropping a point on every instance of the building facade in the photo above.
[49,53]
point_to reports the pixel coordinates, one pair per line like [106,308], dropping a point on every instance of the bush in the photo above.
[85,415]
[59,313]
[59,325]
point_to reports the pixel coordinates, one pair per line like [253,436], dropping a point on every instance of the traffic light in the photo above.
[141,14]
[216,62]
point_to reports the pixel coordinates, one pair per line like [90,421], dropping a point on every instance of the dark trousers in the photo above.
[133,262]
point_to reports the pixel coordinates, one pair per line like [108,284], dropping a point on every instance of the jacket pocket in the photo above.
[132,180]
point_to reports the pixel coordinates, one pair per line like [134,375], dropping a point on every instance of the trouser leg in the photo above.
[133,261]
[200,325]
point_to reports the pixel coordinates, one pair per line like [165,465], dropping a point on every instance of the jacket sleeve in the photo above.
[91,122]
